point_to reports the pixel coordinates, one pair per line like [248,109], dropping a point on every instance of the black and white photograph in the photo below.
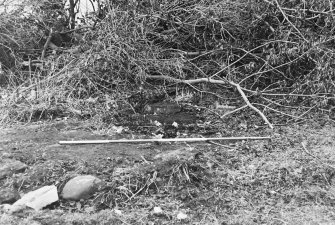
[159,112]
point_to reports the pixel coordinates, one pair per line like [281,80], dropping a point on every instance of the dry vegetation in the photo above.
[279,52]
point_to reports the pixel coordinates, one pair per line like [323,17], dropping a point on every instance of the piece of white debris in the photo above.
[158,210]
[158,124]
[36,199]
[181,216]
[117,129]
[175,124]
[158,136]
[118,212]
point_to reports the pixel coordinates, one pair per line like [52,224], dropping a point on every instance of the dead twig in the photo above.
[282,113]
[289,21]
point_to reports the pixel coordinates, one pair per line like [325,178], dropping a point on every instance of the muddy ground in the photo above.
[256,182]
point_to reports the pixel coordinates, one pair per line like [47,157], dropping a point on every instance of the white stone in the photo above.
[181,216]
[158,210]
[38,199]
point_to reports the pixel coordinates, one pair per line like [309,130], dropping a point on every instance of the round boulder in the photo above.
[81,187]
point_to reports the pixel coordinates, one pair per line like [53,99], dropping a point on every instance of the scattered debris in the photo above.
[81,187]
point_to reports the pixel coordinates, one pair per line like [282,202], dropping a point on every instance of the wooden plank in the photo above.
[82,142]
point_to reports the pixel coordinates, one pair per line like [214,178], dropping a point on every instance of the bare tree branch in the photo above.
[213,81]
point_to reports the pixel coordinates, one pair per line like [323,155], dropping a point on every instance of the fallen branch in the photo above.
[214,81]
[161,140]
[238,87]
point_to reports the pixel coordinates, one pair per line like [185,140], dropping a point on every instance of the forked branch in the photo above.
[214,81]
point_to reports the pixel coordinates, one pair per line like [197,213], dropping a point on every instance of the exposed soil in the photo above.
[44,139]
[258,182]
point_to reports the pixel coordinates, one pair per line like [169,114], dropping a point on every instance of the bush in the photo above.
[273,49]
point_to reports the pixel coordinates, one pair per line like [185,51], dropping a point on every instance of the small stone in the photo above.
[157,210]
[8,196]
[81,187]
[181,216]
[9,166]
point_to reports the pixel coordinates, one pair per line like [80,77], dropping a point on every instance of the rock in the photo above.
[10,166]
[41,197]
[8,196]
[37,199]
[81,187]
